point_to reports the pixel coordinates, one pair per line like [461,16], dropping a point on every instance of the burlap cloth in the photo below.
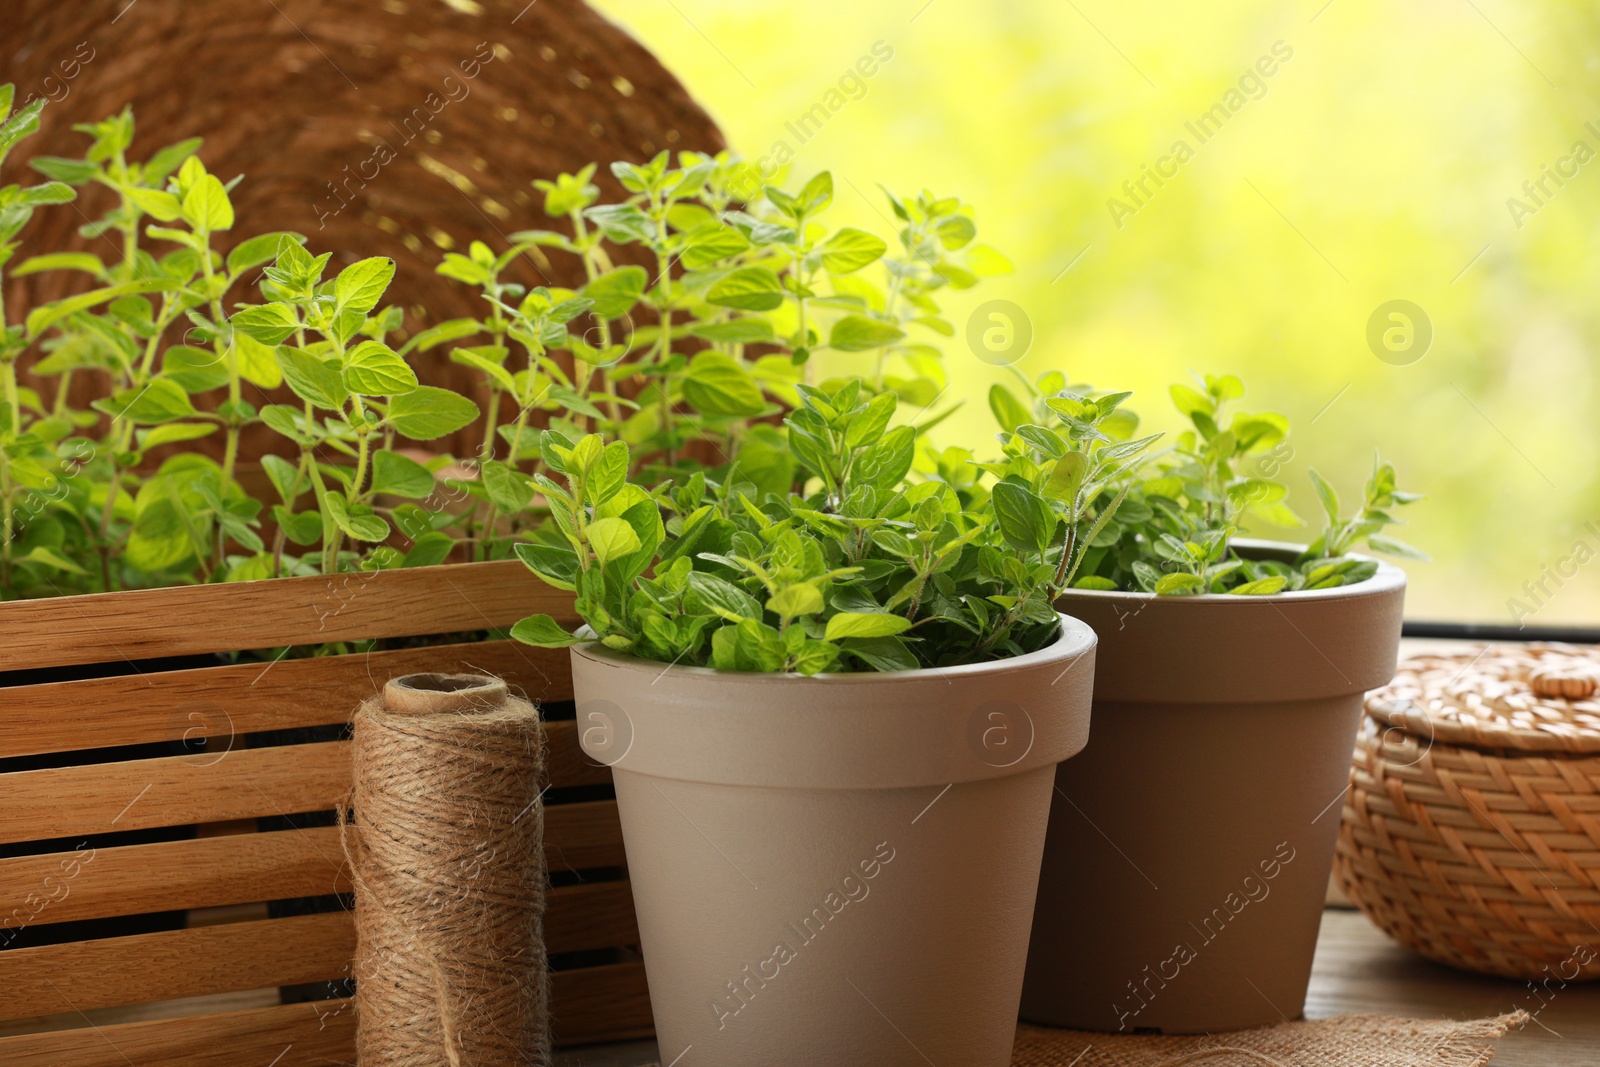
[1346,1041]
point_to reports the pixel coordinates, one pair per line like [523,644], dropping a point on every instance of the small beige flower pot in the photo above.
[1191,841]
[835,871]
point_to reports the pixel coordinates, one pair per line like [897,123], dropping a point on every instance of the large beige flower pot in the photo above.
[835,871]
[1190,843]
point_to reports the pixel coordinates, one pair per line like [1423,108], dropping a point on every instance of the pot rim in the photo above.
[1075,639]
[868,730]
[1388,577]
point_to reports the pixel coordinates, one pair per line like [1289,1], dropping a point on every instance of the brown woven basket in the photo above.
[1471,831]
[297,96]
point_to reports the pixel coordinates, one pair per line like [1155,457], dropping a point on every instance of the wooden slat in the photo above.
[579,836]
[592,1004]
[183,1007]
[65,802]
[289,1035]
[247,868]
[565,761]
[248,697]
[83,975]
[137,624]
[578,918]
[172,875]
[172,791]
[610,1003]
[594,915]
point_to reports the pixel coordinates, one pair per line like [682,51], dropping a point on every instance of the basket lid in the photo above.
[1530,698]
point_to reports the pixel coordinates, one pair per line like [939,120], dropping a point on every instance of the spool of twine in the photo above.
[445,841]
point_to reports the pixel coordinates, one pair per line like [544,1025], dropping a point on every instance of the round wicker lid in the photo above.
[1527,698]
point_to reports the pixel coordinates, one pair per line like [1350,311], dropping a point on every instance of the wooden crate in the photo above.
[229,953]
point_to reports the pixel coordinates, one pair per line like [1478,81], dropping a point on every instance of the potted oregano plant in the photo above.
[1191,841]
[833,717]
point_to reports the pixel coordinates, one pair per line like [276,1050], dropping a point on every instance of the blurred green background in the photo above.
[1377,162]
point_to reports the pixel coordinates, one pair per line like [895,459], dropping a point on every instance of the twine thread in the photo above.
[444,837]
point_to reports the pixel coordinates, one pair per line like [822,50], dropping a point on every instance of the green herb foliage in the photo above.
[863,572]
[738,300]
[688,362]
[1164,521]
[103,519]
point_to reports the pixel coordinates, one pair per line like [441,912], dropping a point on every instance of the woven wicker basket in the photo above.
[1471,831]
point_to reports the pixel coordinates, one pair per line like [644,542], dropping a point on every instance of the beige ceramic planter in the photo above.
[835,871]
[1191,840]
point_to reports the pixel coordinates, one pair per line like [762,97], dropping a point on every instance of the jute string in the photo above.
[445,840]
